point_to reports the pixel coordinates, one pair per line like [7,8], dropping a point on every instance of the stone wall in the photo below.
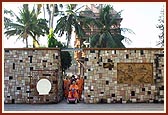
[23,68]
[111,75]
[124,75]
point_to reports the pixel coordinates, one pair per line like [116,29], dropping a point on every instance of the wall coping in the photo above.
[31,48]
[123,49]
[86,49]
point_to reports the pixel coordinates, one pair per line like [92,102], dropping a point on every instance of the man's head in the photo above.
[73,82]
[73,76]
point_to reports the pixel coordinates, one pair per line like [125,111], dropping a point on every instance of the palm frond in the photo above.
[94,40]
[79,8]
[127,30]
[127,40]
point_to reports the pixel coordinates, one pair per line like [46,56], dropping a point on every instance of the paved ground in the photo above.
[81,107]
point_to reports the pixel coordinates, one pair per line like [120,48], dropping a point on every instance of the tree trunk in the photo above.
[44,11]
[35,43]
[68,39]
[49,13]
[52,17]
[26,42]
[25,37]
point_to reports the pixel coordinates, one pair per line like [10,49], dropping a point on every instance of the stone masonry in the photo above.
[110,75]
[124,75]
[24,67]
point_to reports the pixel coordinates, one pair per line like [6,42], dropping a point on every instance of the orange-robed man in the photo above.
[74,87]
[66,87]
[80,83]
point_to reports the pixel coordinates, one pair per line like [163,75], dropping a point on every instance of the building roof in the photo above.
[95,9]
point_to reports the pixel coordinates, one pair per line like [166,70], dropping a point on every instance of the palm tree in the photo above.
[26,25]
[53,10]
[108,34]
[70,19]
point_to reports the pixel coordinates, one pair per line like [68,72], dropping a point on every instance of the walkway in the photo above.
[81,107]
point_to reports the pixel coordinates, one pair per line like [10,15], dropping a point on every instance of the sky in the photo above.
[141,17]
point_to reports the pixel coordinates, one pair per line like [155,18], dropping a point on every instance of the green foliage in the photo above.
[52,42]
[69,20]
[65,60]
[65,55]
[108,37]
[6,19]
[26,24]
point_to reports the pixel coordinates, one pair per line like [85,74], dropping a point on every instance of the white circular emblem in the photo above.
[43,86]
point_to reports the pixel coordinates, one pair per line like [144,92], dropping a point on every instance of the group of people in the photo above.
[74,82]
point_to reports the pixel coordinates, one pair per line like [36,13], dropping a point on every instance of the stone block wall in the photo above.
[123,75]
[24,67]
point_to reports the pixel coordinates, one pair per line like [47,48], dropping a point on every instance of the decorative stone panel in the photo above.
[135,73]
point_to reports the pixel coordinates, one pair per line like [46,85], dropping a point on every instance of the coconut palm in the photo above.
[53,10]
[71,19]
[108,34]
[26,24]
